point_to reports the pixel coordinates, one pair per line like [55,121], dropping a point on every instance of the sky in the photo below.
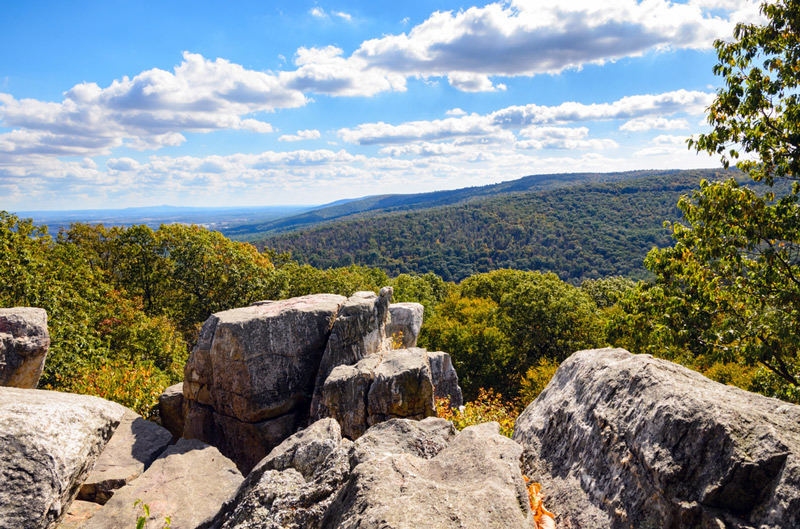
[114,104]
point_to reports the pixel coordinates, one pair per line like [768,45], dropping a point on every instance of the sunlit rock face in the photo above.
[631,441]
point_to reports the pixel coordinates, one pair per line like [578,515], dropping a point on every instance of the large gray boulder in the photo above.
[394,384]
[24,341]
[358,332]
[629,441]
[136,443]
[253,371]
[294,485]
[188,482]
[405,323]
[474,482]
[399,474]
[49,442]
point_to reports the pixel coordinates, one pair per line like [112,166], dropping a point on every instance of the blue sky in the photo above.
[115,104]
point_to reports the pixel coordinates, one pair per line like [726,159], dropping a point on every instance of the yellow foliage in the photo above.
[136,386]
[489,406]
[536,379]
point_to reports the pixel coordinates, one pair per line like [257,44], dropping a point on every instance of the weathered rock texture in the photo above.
[629,441]
[136,443]
[248,382]
[188,483]
[170,410]
[393,384]
[405,323]
[445,378]
[359,331]
[48,444]
[259,373]
[400,474]
[24,341]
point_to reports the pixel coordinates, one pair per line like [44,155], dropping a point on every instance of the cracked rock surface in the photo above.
[630,441]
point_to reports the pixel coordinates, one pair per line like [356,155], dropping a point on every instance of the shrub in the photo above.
[488,406]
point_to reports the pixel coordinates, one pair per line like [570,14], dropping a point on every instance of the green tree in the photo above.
[730,287]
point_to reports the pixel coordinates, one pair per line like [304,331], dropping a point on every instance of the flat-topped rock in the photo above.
[49,442]
[24,341]
[136,443]
[248,382]
[629,441]
[188,482]
[258,362]
[394,384]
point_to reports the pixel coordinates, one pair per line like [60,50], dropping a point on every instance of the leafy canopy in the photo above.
[729,289]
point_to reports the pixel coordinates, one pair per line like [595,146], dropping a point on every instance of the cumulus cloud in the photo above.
[301,135]
[317,12]
[343,15]
[455,112]
[148,111]
[327,71]
[519,117]
[530,37]
[654,122]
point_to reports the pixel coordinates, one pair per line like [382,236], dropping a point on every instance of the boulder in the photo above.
[405,323]
[49,442]
[170,410]
[24,342]
[187,483]
[399,474]
[136,443]
[359,331]
[474,482]
[253,371]
[394,384]
[445,378]
[629,441]
[295,484]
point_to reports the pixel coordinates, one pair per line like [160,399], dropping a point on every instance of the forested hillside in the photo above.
[382,204]
[581,232]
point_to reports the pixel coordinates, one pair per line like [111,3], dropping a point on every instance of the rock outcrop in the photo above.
[259,373]
[49,442]
[24,341]
[359,331]
[188,482]
[629,441]
[405,323]
[247,383]
[394,384]
[400,473]
[136,443]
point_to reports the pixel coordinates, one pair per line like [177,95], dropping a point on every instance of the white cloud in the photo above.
[343,15]
[653,122]
[317,12]
[326,71]
[147,111]
[531,37]
[301,135]
[455,112]
[518,117]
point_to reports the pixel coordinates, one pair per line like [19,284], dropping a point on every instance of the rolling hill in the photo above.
[579,232]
